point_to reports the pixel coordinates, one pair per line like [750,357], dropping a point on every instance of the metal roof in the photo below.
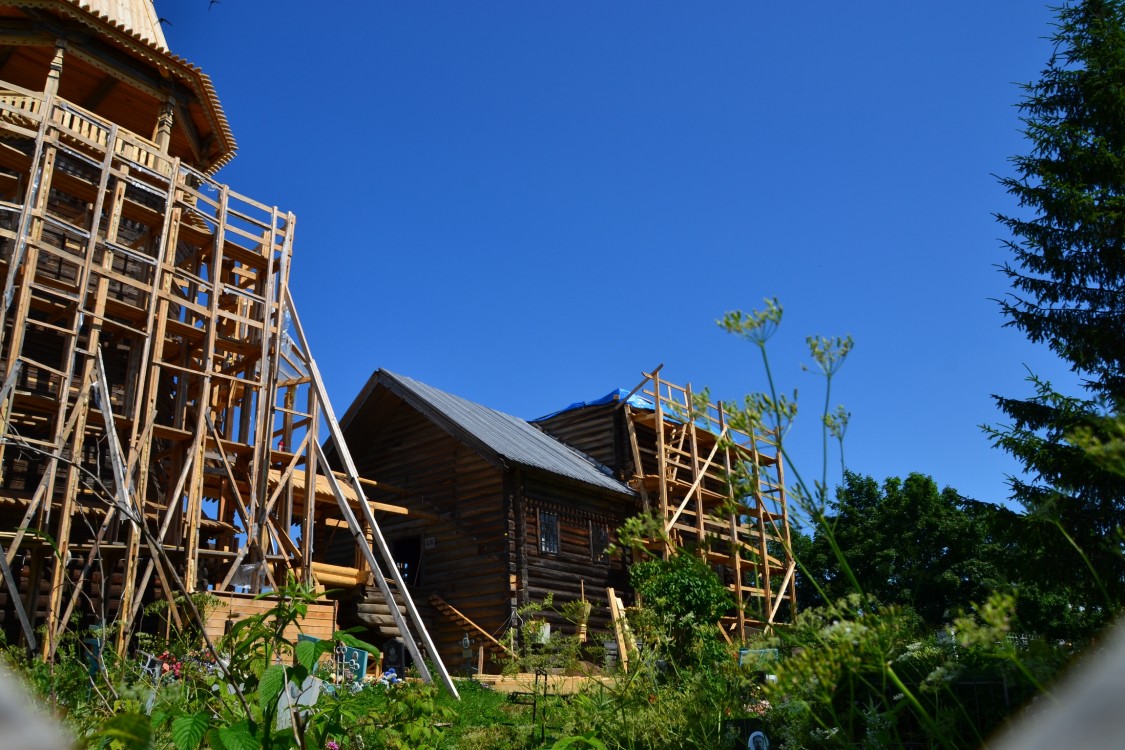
[512,439]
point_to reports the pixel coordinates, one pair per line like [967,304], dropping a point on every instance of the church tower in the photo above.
[109,57]
[160,414]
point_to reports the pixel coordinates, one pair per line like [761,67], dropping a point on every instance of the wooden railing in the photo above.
[20,107]
[24,108]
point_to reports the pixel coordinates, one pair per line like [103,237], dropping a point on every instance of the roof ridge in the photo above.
[550,454]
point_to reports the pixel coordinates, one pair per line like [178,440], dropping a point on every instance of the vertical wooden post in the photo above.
[78,436]
[696,468]
[54,74]
[162,134]
[195,501]
[287,440]
[145,405]
[789,561]
[638,465]
[661,459]
[735,542]
[309,521]
[760,508]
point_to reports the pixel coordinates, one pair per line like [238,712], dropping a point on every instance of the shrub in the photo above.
[685,600]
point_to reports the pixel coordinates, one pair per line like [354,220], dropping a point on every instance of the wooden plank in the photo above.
[16,600]
[615,611]
[781,591]
[319,622]
[638,464]
[345,458]
[691,493]
[555,684]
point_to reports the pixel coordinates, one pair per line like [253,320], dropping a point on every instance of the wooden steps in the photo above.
[375,612]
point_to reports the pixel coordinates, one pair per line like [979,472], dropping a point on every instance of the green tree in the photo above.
[908,543]
[1068,291]
[938,553]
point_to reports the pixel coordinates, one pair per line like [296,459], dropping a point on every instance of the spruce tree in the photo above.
[1068,291]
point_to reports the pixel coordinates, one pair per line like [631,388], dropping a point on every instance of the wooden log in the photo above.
[319,621]
[338,575]
[377,621]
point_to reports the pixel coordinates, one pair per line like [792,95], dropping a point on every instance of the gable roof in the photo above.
[501,437]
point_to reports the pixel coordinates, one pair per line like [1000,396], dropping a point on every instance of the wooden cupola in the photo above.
[110,58]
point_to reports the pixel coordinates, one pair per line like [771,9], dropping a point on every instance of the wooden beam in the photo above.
[619,626]
[461,619]
[373,484]
[781,591]
[127,504]
[16,600]
[700,475]
[337,438]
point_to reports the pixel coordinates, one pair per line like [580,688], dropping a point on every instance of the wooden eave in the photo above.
[538,472]
[357,405]
[118,49]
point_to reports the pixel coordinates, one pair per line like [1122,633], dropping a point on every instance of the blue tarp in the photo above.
[636,400]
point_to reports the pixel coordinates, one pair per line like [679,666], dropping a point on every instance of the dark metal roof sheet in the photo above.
[511,438]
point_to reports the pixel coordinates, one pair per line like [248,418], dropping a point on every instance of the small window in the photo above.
[599,542]
[548,533]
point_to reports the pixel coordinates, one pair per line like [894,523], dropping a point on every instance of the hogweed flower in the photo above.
[757,325]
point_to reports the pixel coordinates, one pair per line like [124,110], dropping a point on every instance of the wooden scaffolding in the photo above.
[160,411]
[718,490]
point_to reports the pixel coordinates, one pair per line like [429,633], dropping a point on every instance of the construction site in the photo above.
[165,430]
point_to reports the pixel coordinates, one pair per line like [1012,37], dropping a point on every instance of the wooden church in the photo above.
[160,411]
[501,512]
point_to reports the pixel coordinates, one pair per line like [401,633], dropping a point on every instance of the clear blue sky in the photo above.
[527,203]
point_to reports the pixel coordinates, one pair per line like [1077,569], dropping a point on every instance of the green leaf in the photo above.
[324,647]
[298,674]
[578,741]
[241,625]
[350,640]
[307,654]
[238,737]
[188,731]
[270,686]
[133,731]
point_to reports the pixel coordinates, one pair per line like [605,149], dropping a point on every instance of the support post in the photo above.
[337,437]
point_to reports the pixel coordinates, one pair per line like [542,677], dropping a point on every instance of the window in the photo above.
[599,542]
[548,533]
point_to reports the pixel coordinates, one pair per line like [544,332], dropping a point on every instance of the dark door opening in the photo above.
[407,553]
